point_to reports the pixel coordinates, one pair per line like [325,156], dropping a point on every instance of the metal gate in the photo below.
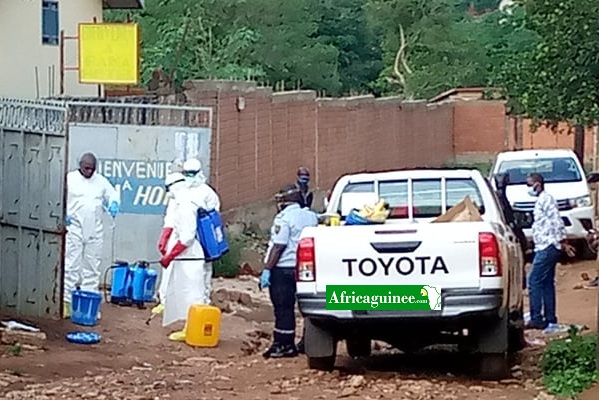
[136,145]
[33,162]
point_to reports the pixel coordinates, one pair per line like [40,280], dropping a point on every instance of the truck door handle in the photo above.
[396,247]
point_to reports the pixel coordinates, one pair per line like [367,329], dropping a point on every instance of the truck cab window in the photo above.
[355,195]
[427,196]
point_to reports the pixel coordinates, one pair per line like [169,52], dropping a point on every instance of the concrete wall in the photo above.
[21,49]
[136,159]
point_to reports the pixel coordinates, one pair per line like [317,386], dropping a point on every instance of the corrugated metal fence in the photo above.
[32,166]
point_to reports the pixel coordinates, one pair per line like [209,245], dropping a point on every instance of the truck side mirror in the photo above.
[593,177]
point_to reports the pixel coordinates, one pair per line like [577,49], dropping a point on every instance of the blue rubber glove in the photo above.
[113,209]
[265,278]
[68,220]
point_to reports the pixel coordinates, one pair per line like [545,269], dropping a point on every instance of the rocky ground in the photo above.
[135,361]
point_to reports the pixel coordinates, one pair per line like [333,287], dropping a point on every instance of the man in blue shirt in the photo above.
[279,269]
[549,237]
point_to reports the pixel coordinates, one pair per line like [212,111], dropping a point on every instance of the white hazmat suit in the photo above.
[184,256]
[85,231]
[208,199]
[167,230]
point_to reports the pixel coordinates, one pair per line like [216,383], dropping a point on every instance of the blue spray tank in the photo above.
[132,283]
[120,282]
[211,234]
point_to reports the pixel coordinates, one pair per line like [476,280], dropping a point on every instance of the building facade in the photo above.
[30,50]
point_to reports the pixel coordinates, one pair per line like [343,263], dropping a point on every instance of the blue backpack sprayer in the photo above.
[135,284]
[132,284]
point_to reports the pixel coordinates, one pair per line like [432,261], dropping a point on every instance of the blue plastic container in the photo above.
[138,275]
[211,234]
[150,285]
[353,218]
[219,232]
[120,283]
[85,307]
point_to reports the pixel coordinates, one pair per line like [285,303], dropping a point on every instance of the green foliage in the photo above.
[15,349]
[344,25]
[186,37]
[289,49]
[568,364]
[228,265]
[479,5]
[558,77]
[342,47]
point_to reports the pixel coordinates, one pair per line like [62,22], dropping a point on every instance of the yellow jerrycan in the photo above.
[203,326]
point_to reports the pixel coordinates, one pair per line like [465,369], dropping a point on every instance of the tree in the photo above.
[186,38]
[509,44]
[289,49]
[344,25]
[442,52]
[561,73]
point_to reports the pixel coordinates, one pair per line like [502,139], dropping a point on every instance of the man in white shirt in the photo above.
[549,237]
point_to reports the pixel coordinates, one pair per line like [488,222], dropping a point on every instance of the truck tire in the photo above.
[358,347]
[320,347]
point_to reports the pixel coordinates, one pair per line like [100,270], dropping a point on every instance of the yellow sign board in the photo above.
[109,53]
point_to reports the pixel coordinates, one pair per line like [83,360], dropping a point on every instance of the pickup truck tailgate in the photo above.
[437,254]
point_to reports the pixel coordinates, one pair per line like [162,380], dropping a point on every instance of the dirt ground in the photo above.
[135,361]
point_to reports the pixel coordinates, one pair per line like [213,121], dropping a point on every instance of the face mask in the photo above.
[304,180]
[532,192]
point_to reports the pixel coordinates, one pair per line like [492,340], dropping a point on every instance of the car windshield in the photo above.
[427,196]
[553,170]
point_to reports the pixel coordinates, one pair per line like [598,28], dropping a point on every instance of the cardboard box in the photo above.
[464,211]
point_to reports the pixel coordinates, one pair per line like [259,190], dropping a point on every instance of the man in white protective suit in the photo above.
[87,192]
[184,256]
[207,198]
[163,241]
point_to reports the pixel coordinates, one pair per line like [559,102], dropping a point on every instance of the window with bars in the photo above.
[50,31]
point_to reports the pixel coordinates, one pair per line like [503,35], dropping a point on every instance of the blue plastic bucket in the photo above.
[85,307]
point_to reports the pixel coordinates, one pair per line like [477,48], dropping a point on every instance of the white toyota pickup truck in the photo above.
[478,266]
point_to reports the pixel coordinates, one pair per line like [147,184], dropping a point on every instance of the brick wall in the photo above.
[544,138]
[257,148]
[479,127]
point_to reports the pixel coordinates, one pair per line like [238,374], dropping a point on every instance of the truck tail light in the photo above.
[490,259]
[306,263]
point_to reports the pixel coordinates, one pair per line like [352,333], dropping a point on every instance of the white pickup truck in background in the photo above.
[564,179]
[478,265]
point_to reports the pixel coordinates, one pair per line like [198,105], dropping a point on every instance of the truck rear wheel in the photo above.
[320,347]
[358,347]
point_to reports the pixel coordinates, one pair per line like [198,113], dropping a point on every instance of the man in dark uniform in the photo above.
[279,269]
[303,180]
